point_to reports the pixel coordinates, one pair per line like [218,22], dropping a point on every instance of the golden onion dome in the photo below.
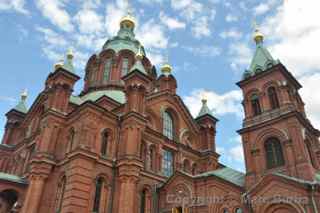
[128,21]
[258,36]
[166,69]
[58,65]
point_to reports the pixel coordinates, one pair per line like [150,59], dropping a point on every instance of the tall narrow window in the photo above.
[125,66]
[274,154]
[152,158]
[167,125]
[71,139]
[143,202]
[60,194]
[238,210]
[273,98]
[255,103]
[97,197]
[104,143]
[107,70]
[309,148]
[167,163]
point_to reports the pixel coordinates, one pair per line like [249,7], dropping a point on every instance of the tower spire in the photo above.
[204,109]
[21,106]
[128,21]
[257,36]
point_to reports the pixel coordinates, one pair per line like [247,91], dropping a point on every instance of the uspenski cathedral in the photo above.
[128,143]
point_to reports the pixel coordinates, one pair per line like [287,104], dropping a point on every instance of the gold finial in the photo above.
[204,97]
[166,68]
[128,20]
[139,55]
[59,64]
[24,95]
[70,54]
[257,36]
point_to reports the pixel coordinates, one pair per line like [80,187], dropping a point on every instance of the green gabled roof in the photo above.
[116,95]
[12,178]
[21,107]
[262,61]
[138,66]
[204,109]
[227,174]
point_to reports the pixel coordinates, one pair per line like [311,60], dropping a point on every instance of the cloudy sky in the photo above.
[209,43]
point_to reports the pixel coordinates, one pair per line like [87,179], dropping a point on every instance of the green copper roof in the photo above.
[204,109]
[12,178]
[262,60]
[125,40]
[21,106]
[138,66]
[69,65]
[227,174]
[116,95]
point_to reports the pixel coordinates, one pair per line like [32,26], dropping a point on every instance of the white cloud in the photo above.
[114,13]
[240,56]
[152,35]
[231,33]
[17,5]
[204,51]
[264,7]
[89,21]
[7,99]
[52,38]
[220,104]
[236,153]
[55,12]
[201,27]
[171,23]
[231,18]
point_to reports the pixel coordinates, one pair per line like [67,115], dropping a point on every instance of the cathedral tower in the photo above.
[277,136]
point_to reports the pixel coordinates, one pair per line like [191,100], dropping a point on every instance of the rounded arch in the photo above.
[8,200]
[107,53]
[145,197]
[281,134]
[167,110]
[282,208]
[101,193]
[71,138]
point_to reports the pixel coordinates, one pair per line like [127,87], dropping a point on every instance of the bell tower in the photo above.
[277,136]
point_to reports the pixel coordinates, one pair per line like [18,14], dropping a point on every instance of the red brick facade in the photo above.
[106,150]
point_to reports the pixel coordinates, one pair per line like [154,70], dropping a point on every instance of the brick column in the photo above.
[34,194]
[128,194]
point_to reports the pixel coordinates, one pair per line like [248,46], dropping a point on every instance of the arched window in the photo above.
[143,201]
[274,154]
[238,210]
[152,158]
[225,211]
[167,125]
[60,194]
[107,70]
[125,66]
[104,143]
[97,196]
[71,139]
[273,98]
[255,103]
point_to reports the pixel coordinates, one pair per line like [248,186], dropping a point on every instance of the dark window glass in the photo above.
[60,194]
[104,144]
[167,125]
[107,70]
[256,107]
[143,202]
[273,98]
[274,154]
[167,163]
[125,66]
[97,197]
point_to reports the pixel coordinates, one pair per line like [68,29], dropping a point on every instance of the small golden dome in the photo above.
[70,54]
[58,65]
[128,21]
[166,69]
[258,36]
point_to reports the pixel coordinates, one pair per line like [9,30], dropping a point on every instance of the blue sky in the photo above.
[209,43]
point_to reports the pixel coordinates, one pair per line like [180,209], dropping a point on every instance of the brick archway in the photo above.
[281,208]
